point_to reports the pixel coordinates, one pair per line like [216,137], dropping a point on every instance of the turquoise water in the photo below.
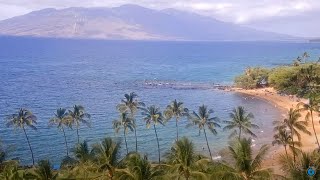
[45,74]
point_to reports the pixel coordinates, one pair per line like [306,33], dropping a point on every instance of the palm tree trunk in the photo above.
[155,130]
[25,133]
[125,140]
[285,148]
[205,134]
[78,134]
[314,130]
[135,129]
[177,128]
[135,134]
[294,154]
[65,140]
[239,133]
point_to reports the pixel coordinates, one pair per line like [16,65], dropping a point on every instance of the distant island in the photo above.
[130,22]
[315,40]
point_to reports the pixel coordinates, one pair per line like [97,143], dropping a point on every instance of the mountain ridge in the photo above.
[129,22]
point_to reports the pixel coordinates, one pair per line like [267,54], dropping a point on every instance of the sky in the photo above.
[293,17]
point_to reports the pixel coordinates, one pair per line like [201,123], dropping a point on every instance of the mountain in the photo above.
[315,40]
[130,22]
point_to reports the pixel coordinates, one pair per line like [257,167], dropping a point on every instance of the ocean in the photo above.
[45,74]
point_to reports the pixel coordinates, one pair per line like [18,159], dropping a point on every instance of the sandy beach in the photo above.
[284,103]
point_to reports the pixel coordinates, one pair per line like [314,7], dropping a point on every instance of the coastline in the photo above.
[283,103]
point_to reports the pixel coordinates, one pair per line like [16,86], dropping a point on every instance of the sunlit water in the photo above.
[43,75]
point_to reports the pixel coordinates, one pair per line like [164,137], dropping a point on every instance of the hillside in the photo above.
[130,22]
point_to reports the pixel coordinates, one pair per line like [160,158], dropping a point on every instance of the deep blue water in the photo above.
[45,74]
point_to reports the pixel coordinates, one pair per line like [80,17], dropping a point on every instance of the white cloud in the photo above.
[210,6]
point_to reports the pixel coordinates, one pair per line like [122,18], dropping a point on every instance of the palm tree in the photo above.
[3,154]
[307,79]
[138,168]
[79,116]
[176,110]
[299,59]
[107,154]
[295,125]
[130,103]
[305,56]
[203,121]
[311,107]
[126,123]
[153,116]
[10,171]
[183,160]
[61,119]
[244,165]
[24,118]
[298,169]
[43,172]
[241,120]
[283,137]
[82,152]
[5,150]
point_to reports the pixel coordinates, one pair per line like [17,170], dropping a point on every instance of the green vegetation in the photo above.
[300,78]
[313,106]
[126,123]
[253,78]
[175,110]
[61,119]
[79,116]
[242,121]
[24,118]
[244,164]
[203,121]
[152,115]
[131,104]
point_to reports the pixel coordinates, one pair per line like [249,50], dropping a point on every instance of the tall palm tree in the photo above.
[284,138]
[244,164]
[130,103]
[139,168]
[241,120]
[183,159]
[43,172]
[79,116]
[126,123]
[24,118]
[153,116]
[311,107]
[295,125]
[61,118]
[203,121]
[175,110]
[107,154]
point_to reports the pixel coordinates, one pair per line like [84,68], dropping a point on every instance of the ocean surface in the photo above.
[45,74]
